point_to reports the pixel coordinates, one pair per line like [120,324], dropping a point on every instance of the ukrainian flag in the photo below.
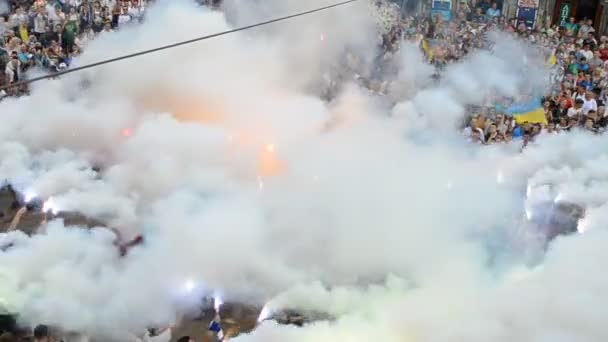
[530,111]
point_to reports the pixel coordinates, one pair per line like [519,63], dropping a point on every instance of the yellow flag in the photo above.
[23,33]
[427,50]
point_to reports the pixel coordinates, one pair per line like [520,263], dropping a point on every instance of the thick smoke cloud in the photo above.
[228,169]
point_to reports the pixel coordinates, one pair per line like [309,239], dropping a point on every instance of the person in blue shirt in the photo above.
[583,65]
[493,12]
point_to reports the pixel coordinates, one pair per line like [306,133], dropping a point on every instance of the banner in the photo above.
[565,11]
[442,7]
[527,16]
[526,12]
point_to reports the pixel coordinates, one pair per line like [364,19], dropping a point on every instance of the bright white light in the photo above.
[264,314]
[50,205]
[528,214]
[529,191]
[29,195]
[500,177]
[189,285]
[582,226]
[450,185]
[217,302]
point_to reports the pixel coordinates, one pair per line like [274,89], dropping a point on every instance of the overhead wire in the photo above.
[169,46]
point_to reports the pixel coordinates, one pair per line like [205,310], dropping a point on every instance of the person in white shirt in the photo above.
[589,103]
[19,18]
[40,22]
[580,93]
[587,53]
[13,70]
[124,16]
[576,110]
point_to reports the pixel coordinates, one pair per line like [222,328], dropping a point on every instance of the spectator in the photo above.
[42,334]
[493,11]
[589,103]
[586,28]
[571,27]
[13,70]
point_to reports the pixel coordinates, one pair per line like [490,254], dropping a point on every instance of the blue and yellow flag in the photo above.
[531,111]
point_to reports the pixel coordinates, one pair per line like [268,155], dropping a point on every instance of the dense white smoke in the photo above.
[384,220]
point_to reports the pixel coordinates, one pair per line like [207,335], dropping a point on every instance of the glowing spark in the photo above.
[264,314]
[558,198]
[217,302]
[270,148]
[50,205]
[500,177]
[126,132]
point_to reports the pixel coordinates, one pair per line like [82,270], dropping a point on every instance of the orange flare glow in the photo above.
[270,164]
[126,132]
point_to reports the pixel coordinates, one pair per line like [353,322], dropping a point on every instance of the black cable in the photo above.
[170,46]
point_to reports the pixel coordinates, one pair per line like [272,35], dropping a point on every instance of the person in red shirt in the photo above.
[603,49]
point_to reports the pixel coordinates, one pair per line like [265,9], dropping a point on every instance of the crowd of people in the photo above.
[48,34]
[579,85]
[575,54]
